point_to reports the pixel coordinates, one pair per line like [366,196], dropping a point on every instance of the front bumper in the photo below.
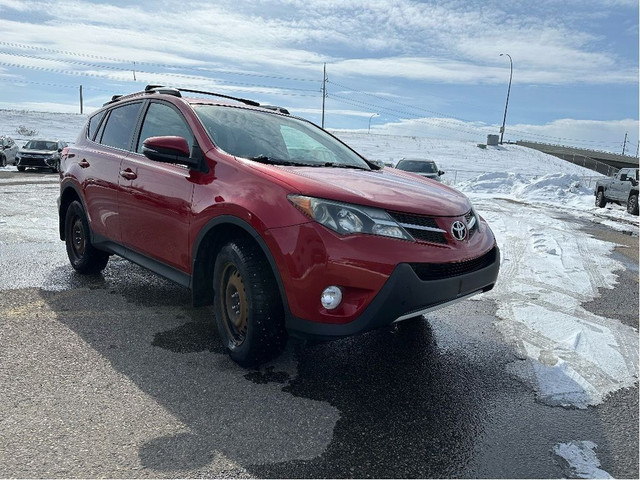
[405,294]
[37,162]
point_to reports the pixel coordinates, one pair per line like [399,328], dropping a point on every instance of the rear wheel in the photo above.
[84,257]
[601,201]
[248,306]
[632,204]
[21,169]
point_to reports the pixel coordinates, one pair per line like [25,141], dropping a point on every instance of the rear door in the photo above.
[109,140]
[155,198]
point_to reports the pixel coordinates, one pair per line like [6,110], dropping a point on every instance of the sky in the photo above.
[419,68]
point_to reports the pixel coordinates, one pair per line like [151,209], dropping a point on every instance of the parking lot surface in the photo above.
[115,375]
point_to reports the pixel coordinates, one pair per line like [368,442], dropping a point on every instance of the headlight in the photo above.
[347,219]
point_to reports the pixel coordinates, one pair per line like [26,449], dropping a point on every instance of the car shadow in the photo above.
[405,401]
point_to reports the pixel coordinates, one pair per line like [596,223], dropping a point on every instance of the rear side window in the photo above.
[120,126]
[94,123]
[162,120]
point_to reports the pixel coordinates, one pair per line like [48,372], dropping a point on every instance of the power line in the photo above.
[151,64]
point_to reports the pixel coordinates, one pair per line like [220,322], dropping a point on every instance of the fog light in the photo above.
[331,297]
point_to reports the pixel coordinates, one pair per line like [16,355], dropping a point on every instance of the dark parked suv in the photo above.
[40,154]
[278,224]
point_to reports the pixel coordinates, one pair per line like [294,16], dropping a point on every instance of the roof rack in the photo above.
[176,92]
[238,99]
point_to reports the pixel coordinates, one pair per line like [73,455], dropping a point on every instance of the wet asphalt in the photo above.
[115,375]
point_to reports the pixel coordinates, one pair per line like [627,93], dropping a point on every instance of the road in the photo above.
[117,376]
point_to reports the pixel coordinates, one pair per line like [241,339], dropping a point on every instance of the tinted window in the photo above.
[120,126]
[162,120]
[94,123]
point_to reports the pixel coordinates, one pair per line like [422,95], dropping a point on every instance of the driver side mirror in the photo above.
[168,150]
[441,172]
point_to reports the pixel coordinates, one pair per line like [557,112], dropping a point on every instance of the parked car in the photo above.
[621,189]
[280,226]
[8,150]
[425,168]
[40,154]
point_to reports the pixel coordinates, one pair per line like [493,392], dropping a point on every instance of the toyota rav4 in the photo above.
[280,226]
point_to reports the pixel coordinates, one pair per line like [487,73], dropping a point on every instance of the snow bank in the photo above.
[554,188]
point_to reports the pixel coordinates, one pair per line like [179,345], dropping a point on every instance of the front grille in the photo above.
[30,161]
[469,217]
[407,220]
[436,271]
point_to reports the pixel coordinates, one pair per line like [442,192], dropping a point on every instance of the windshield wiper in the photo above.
[343,165]
[278,161]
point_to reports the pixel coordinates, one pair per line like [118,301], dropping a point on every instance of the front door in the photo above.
[154,197]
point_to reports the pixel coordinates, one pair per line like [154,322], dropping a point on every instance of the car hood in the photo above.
[389,189]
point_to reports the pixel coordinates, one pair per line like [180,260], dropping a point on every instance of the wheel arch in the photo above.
[211,238]
[68,194]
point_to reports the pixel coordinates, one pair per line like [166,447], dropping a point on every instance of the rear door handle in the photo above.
[128,174]
[84,163]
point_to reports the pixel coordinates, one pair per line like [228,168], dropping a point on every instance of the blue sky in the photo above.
[422,68]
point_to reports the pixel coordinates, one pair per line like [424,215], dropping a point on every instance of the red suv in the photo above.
[278,224]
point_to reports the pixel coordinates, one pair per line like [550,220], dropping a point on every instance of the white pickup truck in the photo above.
[621,189]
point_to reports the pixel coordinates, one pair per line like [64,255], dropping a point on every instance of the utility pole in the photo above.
[506,105]
[324,90]
[624,144]
[81,110]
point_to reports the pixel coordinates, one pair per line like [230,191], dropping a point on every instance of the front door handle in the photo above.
[128,174]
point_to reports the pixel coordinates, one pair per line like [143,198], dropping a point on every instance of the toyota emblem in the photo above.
[459,230]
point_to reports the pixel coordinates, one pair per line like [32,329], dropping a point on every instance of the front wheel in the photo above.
[601,201]
[21,169]
[84,257]
[248,307]
[632,204]
[3,161]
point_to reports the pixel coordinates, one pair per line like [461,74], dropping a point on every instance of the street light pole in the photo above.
[374,115]
[506,105]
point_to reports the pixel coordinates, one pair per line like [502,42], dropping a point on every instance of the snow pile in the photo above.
[579,460]
[548,270]
[553,188]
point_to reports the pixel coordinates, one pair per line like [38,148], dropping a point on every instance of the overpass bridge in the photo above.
[602,162]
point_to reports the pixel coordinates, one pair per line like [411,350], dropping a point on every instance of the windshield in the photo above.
[419,166]
[275,139]
[41,145]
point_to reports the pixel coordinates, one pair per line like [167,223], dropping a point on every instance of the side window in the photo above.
[162,120]
[94,123]
[120,126]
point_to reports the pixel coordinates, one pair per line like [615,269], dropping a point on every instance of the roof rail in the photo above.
[176,92]
[238,99]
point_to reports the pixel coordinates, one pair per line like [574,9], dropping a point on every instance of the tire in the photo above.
[247,304]
[21,169]
[601,201]
[3,161]
[632,204]
[83,256]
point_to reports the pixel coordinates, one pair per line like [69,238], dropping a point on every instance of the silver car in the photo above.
[8,150]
